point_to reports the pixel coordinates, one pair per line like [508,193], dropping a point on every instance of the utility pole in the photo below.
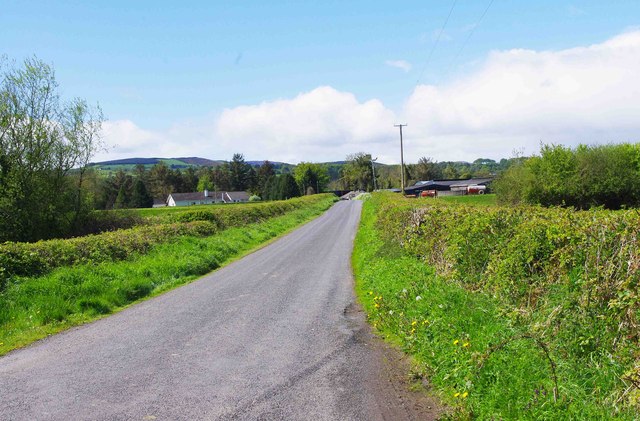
[373,170]
[401,157]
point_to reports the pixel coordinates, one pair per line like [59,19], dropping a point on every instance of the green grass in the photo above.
[172,210]
[472,199]
[32,308]
[480,360]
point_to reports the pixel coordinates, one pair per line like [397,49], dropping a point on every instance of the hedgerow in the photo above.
[30,259]
[36,306]
[547,284]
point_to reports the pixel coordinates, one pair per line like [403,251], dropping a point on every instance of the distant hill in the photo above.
[129,161]
[201,162]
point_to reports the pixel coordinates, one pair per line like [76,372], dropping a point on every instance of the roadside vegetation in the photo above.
[510,313]
[51,285]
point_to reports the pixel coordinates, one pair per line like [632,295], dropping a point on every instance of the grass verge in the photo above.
[482,360]
[34,307]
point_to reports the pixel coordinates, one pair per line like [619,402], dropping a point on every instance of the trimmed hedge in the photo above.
[30,259]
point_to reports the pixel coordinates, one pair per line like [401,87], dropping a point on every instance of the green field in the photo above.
[475,199]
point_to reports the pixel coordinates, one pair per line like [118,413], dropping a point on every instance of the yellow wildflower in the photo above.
[465,394]
[413,323]
[455,395]
[456,342]
[466,345]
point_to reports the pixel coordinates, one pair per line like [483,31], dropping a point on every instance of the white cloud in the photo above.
[512,101]
[521,97]
[323,124]
[399,64]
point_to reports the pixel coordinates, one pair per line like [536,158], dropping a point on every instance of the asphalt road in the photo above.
[275,335]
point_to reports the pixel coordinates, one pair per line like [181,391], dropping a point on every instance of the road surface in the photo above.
[275,335]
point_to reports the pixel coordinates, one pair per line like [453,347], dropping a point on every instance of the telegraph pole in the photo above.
[373,170]
[401,157]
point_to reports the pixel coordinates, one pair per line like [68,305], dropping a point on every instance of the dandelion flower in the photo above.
[466,345]
[455,395]
[456,342]
[413,323]
[465,394]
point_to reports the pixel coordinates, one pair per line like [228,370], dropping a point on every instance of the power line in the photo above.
[464,44]
[436,43]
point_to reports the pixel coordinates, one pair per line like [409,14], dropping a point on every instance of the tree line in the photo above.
[581,177]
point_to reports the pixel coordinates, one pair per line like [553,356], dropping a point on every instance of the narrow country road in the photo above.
[273,336]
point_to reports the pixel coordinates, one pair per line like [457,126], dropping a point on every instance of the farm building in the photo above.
[453,186]
[206,198]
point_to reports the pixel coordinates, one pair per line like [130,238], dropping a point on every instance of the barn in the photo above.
[456,186]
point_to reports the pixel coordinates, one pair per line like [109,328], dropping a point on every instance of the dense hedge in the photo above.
[569,279]
[28,259]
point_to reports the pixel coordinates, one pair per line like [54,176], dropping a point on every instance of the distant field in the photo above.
[154,212]
[477,199]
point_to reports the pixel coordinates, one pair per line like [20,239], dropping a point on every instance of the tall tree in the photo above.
[42,140]
[239,173]
[426,169]
[265,173]
[357,173]
[140,197]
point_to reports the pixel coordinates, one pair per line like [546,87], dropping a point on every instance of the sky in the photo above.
[316,81]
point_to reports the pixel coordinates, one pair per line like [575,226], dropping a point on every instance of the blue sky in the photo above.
[308,80]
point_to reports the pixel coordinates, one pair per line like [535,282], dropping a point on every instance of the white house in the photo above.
[206,198]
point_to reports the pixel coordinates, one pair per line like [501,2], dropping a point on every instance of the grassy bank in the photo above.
[140,235]
[510,313]
[34,307]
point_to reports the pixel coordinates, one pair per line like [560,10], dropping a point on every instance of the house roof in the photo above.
[213,195]
[193,196]
[238,195]
[435,184]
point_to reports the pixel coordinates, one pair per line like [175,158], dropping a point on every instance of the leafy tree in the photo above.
[427,169]
[357,173]
[42,141]
[587,176]
[205,182]
[312,175]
